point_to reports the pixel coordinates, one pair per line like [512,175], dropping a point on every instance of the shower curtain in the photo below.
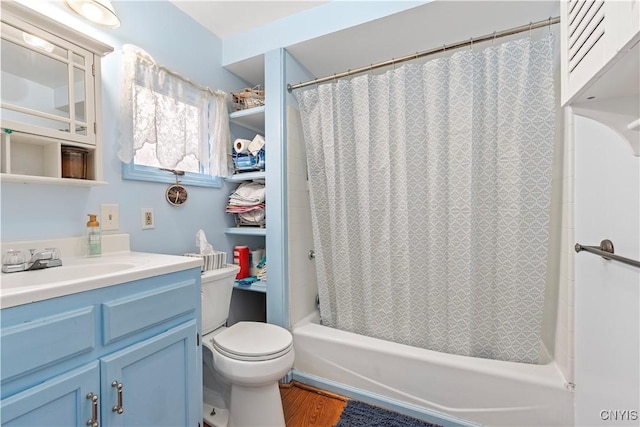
[430,193]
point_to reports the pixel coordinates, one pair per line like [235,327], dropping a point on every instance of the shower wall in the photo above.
[557,322]
[303,287]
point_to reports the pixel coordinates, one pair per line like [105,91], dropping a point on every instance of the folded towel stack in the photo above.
[247,202]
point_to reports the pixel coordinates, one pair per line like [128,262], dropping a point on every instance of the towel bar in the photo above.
[605,250]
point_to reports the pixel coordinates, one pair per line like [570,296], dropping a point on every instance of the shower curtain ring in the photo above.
[549,27]
[494,39]
[530,25]
[471,43]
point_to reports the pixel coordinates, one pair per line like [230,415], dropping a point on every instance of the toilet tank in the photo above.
[217,287]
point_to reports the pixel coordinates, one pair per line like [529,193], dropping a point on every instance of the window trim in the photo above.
[132,171]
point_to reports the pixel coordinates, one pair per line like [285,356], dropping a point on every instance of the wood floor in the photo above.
[306,406]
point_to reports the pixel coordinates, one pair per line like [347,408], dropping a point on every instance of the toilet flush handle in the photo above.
[118,408]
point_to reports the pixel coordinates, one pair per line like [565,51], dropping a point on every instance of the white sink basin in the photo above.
[79,273]
[63,273]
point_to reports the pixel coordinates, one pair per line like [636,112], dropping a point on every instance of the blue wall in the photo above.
[33,211]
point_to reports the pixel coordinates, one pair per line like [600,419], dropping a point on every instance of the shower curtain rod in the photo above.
[528,27]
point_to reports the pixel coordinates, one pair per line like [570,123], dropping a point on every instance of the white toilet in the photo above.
[242,363]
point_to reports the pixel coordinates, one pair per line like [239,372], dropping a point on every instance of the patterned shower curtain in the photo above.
[430,193]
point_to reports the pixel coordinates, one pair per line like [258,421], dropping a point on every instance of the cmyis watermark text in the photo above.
[619,415]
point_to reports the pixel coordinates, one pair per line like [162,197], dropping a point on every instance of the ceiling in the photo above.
[417,29]
[226,18]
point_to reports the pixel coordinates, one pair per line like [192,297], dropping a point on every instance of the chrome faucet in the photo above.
[14,260]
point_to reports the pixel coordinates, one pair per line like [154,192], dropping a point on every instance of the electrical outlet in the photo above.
[109,217]
[148,220]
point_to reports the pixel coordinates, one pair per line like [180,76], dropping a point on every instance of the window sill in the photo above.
[149,174]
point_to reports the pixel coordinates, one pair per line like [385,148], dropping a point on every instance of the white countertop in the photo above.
[79,273]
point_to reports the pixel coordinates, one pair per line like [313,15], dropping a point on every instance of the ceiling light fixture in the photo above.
[99,12]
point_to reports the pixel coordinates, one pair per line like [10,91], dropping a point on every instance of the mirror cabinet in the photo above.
[51,100]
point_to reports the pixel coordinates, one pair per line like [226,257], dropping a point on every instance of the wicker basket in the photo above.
[248,98]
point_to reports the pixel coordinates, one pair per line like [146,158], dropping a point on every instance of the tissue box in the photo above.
[214,261]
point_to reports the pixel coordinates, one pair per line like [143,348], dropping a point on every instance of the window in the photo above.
[169,122]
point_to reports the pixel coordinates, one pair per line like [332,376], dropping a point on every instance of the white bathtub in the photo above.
[443,388]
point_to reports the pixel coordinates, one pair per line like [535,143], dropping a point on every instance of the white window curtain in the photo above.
[170,121]
[430,195]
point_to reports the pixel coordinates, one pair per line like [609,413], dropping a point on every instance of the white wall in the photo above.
[607,293]
[557,331]
[303,286]
[557,326]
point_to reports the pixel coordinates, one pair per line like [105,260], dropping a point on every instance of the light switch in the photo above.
[109,217]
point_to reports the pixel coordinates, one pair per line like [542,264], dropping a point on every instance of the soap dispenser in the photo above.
[94,243]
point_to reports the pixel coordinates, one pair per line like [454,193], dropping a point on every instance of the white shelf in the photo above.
[246,231]
[30,179]
[251,118]
[246,176]
[260,286]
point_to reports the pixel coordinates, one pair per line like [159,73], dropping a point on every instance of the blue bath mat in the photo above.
[358,414]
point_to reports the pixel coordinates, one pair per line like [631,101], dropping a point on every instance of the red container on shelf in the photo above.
[241,258]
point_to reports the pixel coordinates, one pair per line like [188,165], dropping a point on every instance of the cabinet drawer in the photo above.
[46,340]
[126,316]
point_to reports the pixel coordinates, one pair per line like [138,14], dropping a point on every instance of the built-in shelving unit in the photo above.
[246,176]
[254,287]
[601,63]
[246,231]
[252,119]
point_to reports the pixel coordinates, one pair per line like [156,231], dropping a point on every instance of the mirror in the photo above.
[36,76]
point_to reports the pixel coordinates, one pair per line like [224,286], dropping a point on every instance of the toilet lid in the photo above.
[253,341]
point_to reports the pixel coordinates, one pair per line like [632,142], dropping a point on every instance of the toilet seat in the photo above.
[253,341]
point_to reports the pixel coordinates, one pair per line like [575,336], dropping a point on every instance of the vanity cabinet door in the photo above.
[59,401]
[160,380]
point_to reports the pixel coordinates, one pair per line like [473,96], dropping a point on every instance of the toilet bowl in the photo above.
[248,359]
[252,357]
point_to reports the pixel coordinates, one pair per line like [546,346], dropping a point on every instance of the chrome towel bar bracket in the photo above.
[606,251]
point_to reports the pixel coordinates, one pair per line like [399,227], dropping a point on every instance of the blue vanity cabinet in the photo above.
[156,377]
[66,400]
[57,354]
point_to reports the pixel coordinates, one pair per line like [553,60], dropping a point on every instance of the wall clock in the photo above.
[176,194]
